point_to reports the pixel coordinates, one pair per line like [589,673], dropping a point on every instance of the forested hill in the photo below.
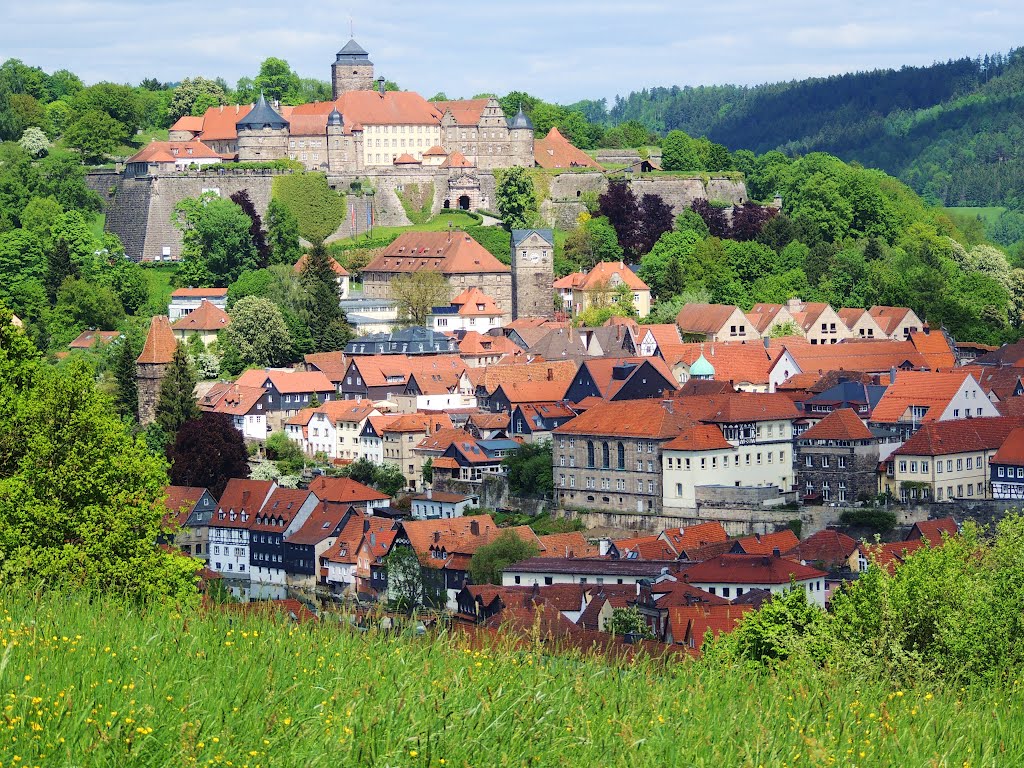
[954,131]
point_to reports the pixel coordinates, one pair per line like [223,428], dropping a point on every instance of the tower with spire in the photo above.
[352,70]
[262,134]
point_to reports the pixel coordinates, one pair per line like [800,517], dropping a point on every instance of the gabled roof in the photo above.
[610,374]
[933,531]
[1003,382]
[160,342]
[445,252]
[280,509]
[473,302]
[474,343]
[322,523]
[457,160]
[411,422]
[604,273]
[840,424]
[555,151]
[287,382]
[241,496]
[645,419]
[749,569]
[891,555]
[344,490]
[700,437]
[171,151]
[232,399]
[694,536]
[650,547]
[345,410]
[692,625]
[1012,449]
[734,361]
[533,391]
[704,318]
[394,370]
[572,544]
[852,355]
[922,389]
[889,318]
[537,371]
[766,543]
[208,317]
[830,548]
[939,438]
[203,293]
[465,111]
[458,536]
[90,339]
[330,364]
[180,501]
[935,347]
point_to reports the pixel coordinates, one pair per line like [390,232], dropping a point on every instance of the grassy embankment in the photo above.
[95,685]
[989,215]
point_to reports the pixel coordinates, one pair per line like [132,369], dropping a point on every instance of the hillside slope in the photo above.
[954,131]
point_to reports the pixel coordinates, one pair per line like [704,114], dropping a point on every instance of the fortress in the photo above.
[393,142]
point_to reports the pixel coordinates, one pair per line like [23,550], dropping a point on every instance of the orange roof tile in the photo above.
[735,361]
[465,111]
[475,343]
[700,437]
[287,382]
[208,293]
[630,418]
[457,160]
[90,339]
[841,424]
[231,399]
[555,151]
[749,569]
[172,151]
[344,490]
[933,531]
[160,343]
[572,544]
[604,273]
[939,438]
[830,548]
[935,348]
[694,536]
[445,252]
[766,543]
[888,318]
[192,123]
[921,389]
[406,159]
[300,265]
[208,317]
[533,391]
[704,318]
[474,302]
[180,500]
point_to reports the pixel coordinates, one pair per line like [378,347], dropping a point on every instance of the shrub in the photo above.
[318,209]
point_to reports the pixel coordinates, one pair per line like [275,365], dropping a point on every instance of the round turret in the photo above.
[335,118]
[520,120]
[262,134]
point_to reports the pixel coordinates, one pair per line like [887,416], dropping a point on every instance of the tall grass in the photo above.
[91,684]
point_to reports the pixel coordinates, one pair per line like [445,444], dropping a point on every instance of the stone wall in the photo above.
[737,522]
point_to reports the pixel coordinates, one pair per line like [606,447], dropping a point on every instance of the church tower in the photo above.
[533,273]
[352,70]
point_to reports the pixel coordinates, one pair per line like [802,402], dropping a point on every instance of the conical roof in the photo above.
[520,120]
[262,115]
[335,118]
[702,367]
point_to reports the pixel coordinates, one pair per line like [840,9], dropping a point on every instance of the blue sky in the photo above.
[560,50]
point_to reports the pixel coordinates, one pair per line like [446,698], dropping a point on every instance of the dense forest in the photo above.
[954,131]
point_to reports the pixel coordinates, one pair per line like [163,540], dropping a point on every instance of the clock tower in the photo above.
[533,273]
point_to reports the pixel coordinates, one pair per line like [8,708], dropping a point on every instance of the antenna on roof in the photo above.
[351,27]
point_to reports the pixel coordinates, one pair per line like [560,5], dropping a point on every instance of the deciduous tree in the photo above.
[488,562]
[207,452]
[516,198]
[259,333]
[417,292]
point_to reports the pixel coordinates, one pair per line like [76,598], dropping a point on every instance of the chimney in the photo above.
[437,536]
[892,375]
[380,86]
[603,547]
[767,342]
[430,493]
[474,527]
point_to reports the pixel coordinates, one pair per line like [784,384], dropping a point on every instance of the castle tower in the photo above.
[520,134]
[533,273]
[339,147]
[262,134]
[352,70]
[152,365]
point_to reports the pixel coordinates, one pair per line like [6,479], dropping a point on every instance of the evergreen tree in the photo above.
[256,231]
[177,401]
[58,268]
[326,321]
[126,397]
[282,234]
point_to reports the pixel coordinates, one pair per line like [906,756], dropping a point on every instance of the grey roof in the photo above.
[262,115]
[520,120]
[407,341]
[335,118]
[353,52]
[518,235]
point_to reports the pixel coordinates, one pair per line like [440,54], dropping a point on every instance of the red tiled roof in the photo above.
[344,490]
[939,438]
[489,420]
[889,556]
[287,382]
[537,371]
[694,536]
[888,318]
[840,424]
[457,160]
[280,509]
[241,496]
[533,391]
[932,531]
[649,419]
[749,569]
[555,151]
[406,159]
[646,548]
[192,123]
[935,348]
[734,361]
[322,523]
[700,437]
[160,342]
[90,339]
[830,548]
[867,356]
[331,364]
[171,151]
[465,111]
[922,389]
[704,318]
[671,593]
[693,624]
[459,535]
[766,543]
[474,302]
[300,265]
[601,276]
[567,545]
[207,317]
[180,500]
[1011,451]
[445,252]
[231,399]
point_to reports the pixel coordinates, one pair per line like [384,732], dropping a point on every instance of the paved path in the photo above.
[490,221]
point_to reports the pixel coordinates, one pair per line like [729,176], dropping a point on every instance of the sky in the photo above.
[559,50]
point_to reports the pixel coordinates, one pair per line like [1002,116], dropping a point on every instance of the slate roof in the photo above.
[262,115]
[519,235]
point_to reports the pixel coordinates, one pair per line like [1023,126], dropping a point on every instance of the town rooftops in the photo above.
[445,252]
[700,437]
[930,390]
[648,419]
[287,382]
[208,317]
[584,566]
[733,361]
[90,339]
[322,523]
[160,343]
[830,548]
[344,490]
[840,424]
[749,569]
[939,438]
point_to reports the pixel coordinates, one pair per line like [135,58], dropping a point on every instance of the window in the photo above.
[824,462]
[959,465]
[590,453]
[913,467]
[970,462]
[621,456]
[650,486]
[841,461]
[605,455]
[640,465]
[808,462]
[725,592]
[903,467]
[938,467]
[547,581]
[650,466]
[1001,471]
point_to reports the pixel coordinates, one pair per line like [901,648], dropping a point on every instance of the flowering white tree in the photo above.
[34,141]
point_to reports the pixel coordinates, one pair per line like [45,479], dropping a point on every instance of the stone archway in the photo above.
[464,202]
